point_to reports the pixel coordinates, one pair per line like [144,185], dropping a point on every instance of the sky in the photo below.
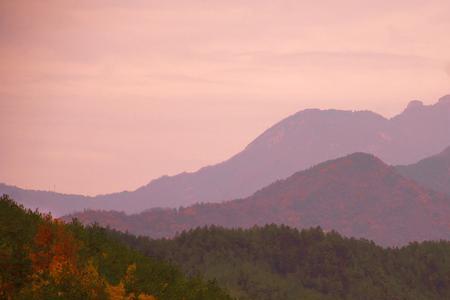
[104,96]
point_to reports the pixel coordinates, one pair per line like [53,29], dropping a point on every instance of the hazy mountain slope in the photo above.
[297,142]
[357,195]
[57,204]
[300,141]
[432,172]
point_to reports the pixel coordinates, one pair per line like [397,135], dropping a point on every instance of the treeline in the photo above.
[278,262]
[41,258]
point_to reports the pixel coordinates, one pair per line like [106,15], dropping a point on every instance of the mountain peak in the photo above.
[444,100]
[446,151]
[363,156]
[415,104]
[362,159]
[355,164]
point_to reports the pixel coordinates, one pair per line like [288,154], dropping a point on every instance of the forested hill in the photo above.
[44,259]
[357,195]
[280,263]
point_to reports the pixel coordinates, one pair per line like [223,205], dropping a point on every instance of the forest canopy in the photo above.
[279,262]
[42,258]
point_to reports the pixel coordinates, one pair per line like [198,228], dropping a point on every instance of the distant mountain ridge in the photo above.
[295,143]
[45,201]
[432,172]
[357,195]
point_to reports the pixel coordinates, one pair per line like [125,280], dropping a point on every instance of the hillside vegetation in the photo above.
[41,258]
[277,262]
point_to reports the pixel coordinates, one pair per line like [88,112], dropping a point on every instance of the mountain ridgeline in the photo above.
[432,172]
[357,195]
[295,143]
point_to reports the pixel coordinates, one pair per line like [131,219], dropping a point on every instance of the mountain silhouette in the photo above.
[295,143]
[432,172]
[357,195]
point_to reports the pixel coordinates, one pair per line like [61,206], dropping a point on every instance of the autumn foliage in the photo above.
[41,258]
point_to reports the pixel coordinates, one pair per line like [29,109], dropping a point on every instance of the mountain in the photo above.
[295,143]
[432,172]
[56,203]
[357,195]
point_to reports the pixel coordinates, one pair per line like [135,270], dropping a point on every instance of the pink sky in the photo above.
[102,96]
